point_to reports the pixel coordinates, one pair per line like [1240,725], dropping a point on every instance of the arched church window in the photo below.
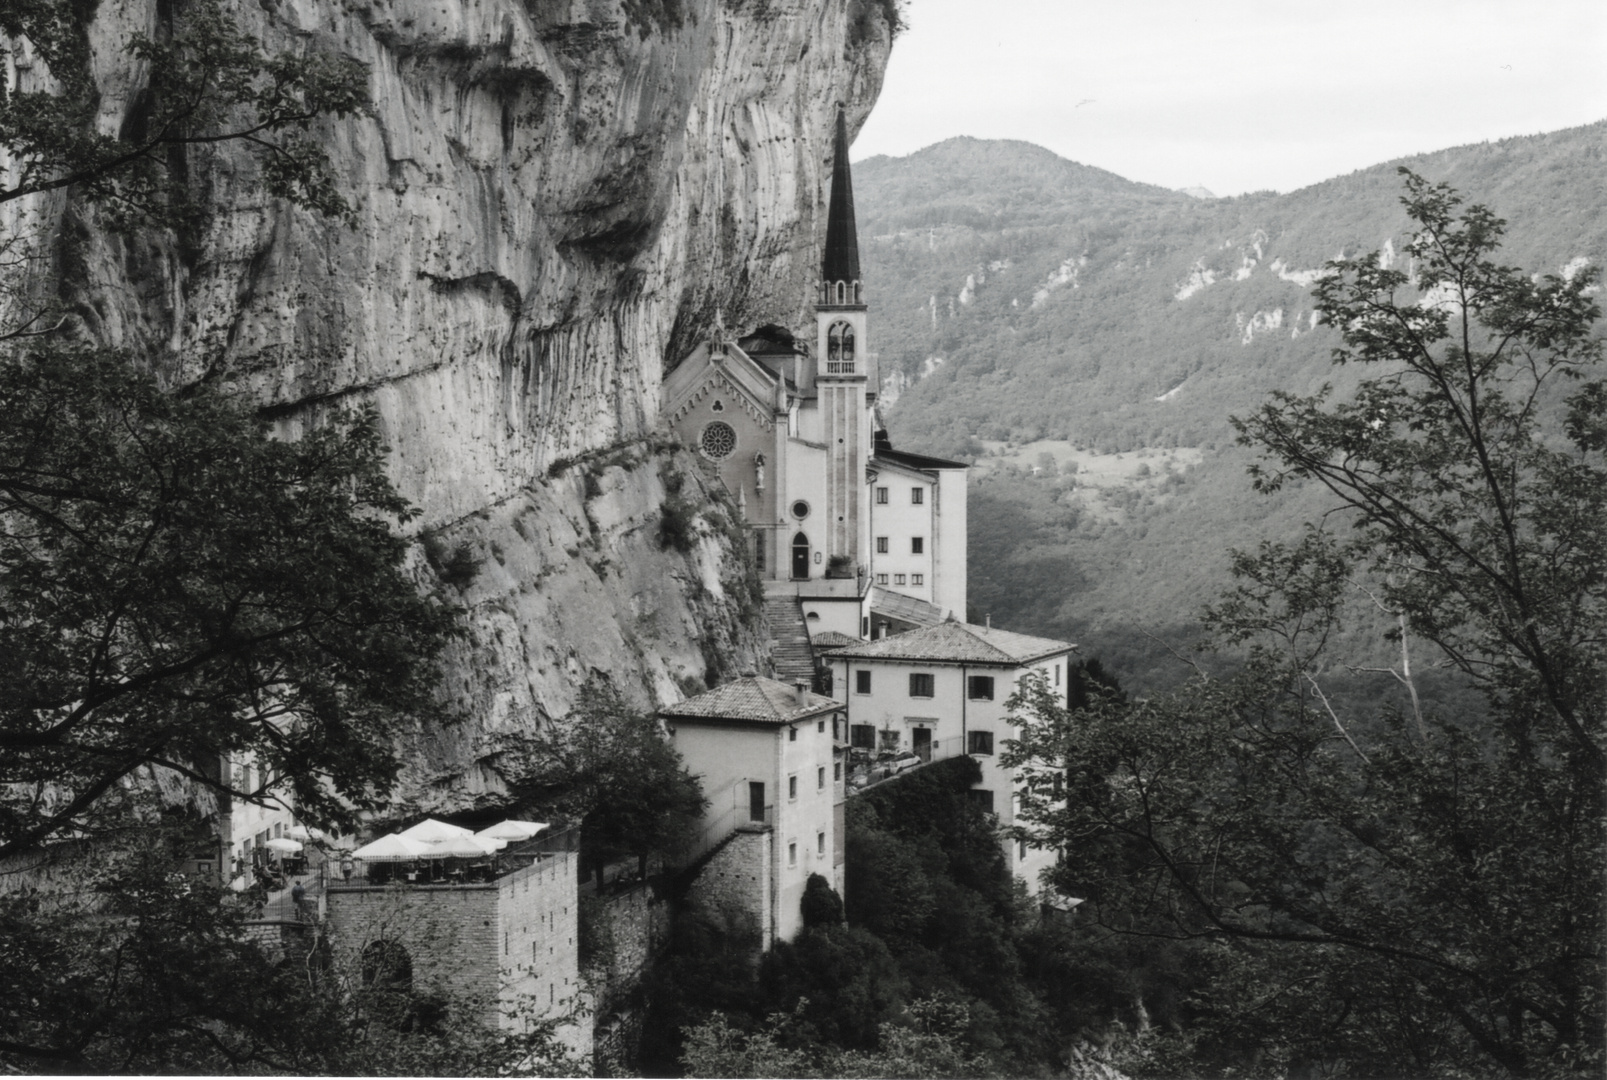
[842,293]
[718,441]
[840,349]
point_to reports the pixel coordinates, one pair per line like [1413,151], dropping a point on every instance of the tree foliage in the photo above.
[122,966]
[1406,890]
[178,587]
[201,83]
[207,83]
[610,767]
[931,1045]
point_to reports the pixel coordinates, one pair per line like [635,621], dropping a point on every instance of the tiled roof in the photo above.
[914,461]
[751,698]
[904,608]
[831,639]
[956,642]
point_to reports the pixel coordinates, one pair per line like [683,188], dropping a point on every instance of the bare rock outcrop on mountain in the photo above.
[553,200]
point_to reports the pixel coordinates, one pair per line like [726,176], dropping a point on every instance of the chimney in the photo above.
[989,618]
[802,691]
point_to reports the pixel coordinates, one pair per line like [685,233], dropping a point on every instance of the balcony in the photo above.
[866,770]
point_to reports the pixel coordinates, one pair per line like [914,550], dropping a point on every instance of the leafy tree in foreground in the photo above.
[1408,892]
[176,586]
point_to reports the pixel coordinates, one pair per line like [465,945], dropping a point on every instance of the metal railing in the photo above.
[866,773]
[450,871]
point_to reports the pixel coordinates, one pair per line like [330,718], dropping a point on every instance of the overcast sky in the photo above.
[1239,95]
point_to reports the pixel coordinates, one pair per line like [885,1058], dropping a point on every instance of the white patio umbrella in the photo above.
[431,831]
[462,847]
[513,830]
[392,847]
[284,845]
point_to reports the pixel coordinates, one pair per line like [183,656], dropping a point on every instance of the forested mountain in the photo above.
[1041,317]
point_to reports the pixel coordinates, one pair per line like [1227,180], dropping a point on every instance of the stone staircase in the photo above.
[794,660]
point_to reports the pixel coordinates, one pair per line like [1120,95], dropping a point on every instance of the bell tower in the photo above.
[842,365]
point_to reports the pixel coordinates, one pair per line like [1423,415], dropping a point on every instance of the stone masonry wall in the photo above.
[636,924]
[538,951]
[738,880]
[450,932]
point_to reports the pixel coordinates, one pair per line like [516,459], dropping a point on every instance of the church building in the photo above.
[853,538]
[863,553]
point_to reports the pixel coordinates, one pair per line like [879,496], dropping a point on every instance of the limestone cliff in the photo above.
[553,199]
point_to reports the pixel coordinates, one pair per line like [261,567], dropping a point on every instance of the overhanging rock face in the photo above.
[552,201]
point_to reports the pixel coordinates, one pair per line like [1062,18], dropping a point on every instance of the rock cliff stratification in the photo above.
[554,198]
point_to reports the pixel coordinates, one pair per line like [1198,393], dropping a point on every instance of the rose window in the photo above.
[719,440]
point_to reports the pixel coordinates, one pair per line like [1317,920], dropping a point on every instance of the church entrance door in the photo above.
[800,556]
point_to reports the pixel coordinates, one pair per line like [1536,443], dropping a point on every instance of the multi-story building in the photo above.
[768,759]
[917,524]
[939,691]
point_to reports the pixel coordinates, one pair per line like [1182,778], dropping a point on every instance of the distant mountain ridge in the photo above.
[1018,296]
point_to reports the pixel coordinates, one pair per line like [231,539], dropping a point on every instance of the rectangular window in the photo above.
[979,742]
[917,579]
[792,787]
[982,798]
[792,854]
[837,771]
[1057,674]
[820,778]
[898,579]
[820,844]
[881,496]
[1021,849]
[792,734]
[863,736]
[917,545]
[917,496]
[881,545]
[921,684]
[861,682]
[758,551]
[979,688]
[881,579]
[820,727]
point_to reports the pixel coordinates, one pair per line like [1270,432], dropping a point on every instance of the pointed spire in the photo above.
[841,262]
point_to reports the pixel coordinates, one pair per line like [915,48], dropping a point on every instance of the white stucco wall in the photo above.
[952,715]
[726,758]
[900,520]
